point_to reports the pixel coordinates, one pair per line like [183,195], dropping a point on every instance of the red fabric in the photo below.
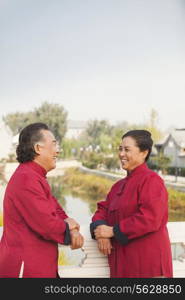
[33,225]
[139,204]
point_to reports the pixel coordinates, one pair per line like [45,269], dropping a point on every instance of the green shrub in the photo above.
[92,160]
[111,162]
[173,171]
[176,205]
[93,185]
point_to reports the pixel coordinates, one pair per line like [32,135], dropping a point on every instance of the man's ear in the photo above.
[145,153]
[37,148]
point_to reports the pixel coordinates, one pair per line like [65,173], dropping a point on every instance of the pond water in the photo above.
[81,210]
[78,209]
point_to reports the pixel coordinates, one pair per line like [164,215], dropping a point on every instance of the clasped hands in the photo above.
[77,239]
[103,233]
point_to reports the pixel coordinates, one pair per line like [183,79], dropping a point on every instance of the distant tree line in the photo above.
[54,115]
[97,145]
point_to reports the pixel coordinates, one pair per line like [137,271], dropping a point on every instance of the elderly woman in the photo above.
[130,226]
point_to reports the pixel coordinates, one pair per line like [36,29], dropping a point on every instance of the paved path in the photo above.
[169,180]
[63,164]
[59,170]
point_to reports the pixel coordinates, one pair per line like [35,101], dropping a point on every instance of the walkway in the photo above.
[58,171]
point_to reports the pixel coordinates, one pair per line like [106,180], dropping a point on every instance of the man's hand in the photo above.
[104,246]
[77,239]
[103,231]
[72,224]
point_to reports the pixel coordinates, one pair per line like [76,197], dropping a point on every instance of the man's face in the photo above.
[47,150]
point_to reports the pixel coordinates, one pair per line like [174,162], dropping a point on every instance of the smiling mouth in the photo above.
[124,160]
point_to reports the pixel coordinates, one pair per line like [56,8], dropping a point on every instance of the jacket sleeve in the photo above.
[99,217]
[61,213]
[38,211]
[151,214]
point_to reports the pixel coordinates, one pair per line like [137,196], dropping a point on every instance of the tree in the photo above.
[152,126]
[16,121]
[160,162]
[54,115]
[96,129]
[119,130]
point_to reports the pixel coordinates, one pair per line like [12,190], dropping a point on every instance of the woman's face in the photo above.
[130,155]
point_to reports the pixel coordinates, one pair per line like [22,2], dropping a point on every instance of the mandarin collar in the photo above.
[137,170]
[36,167]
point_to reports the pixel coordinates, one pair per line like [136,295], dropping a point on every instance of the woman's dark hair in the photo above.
[143,140]
[29,136]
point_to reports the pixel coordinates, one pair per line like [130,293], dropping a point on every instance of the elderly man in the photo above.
[34,222]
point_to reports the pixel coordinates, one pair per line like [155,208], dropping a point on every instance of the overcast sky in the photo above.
[105,59]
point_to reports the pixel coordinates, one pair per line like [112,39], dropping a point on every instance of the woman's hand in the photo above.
[104,246]
[72,224]
[77,239]
[103,231]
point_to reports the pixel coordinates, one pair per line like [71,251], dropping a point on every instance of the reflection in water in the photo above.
[57,190]
[78,207]
[89,200]
[80,211]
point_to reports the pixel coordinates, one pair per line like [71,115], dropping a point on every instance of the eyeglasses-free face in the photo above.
[130,155]
[47,150]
